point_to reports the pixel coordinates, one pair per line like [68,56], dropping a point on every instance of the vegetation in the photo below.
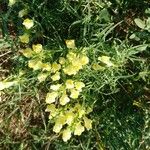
[75,74]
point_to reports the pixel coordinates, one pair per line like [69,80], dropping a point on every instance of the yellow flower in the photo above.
[71,56]
[77,63]
[37,48]
[57,127]
[69,84]
[52,109]
[24,38]
[62,60]
[35,64]
[64,99]
[81,112]
[70,70]
[42,77]
[105,60]
[5,85]
[70,43]
[61,119]
[46,66]
[96,66]
[69,117]
[27,52]
[28,23]
[84,60]
[51,97]
[22,13]
[59,122]
[87,123]
[56,67]
[74,93]
[55,87]
[77,107]
[66,135]
[56,76]
[78,129]
[79,86]
[11,2]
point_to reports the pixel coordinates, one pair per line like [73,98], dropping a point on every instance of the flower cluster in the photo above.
[74,63]
[63,94]
[64,97]
[69,120]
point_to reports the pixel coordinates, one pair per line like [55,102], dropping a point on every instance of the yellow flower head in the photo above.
[4,85]
[42,77]
[66,135]
[22,13]
[28,23]
[52,109]
[57,127]
[64,99]
[81,112]
[37,48]
[69,84]
[84,60]
[62,60]
[51,97]
[56,76]
[87,123]
[79,85]
[77,63]
[56,67]
[96,66]
[69,117]
[70,43]
[74,94]
[69,70]
[46,66]
[105,60]
[27,52]
[35,64]
[11,2]
[55,87]
[24,38]
[61,119]
[71,56]
[78,129]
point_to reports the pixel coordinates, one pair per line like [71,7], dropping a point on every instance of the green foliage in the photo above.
[101,44]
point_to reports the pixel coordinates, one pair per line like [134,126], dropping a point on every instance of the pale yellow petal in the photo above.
[37,48]
[11,2]
[27,52]
[70,43]
[66,135]
[55,67]
[87,123]
[51,97]
[42,77]
[55,87]
[69,84]
[78,129]
[74,93]
[56,76]
[64,99]
[24,38]
[28,23]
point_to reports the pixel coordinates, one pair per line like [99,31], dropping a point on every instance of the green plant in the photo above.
[75,68]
